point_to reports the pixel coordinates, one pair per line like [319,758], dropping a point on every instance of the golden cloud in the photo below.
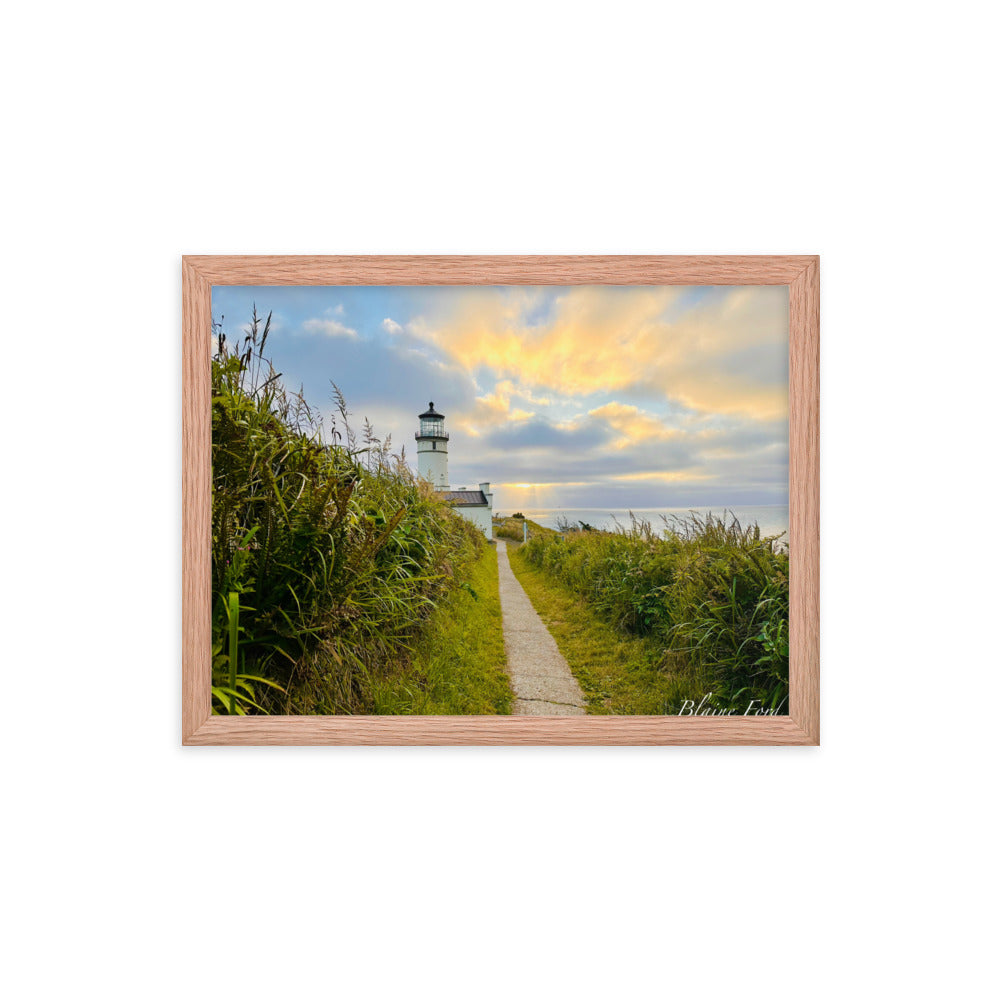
[633,424]
[725,354]
[678,476]
[493,409]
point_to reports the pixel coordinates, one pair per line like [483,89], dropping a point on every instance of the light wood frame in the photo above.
[799,727]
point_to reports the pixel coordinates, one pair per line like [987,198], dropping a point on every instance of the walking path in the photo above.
[539,675]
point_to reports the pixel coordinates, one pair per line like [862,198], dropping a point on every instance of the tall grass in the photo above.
[711,592]
[620,673]
[327,554]
[459,664]
[512,528]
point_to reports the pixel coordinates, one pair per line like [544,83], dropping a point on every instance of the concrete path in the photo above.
[539,675]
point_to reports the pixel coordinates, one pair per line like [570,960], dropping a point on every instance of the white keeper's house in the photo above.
[432,464]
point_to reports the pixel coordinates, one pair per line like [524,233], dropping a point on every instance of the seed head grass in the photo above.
[707,596]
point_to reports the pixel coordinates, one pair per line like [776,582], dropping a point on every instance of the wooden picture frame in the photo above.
[799,273]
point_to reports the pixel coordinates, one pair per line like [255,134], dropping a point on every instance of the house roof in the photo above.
[465,498]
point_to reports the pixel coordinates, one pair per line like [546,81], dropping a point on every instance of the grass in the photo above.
[511,529]
[619,674]
[329,558]
[710,593]
[459,664]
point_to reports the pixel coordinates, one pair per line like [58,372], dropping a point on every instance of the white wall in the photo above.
[863,868]
[432,463]
[482,517]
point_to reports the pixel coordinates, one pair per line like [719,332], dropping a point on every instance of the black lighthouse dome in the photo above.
[431,426]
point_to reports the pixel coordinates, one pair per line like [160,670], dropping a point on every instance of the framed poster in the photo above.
[603,530]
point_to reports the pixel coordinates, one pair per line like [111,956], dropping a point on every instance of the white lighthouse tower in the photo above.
[432,449]
[432,464]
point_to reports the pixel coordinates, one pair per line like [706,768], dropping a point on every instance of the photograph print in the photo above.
[500,500]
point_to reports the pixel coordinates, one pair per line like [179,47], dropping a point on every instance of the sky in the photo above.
[560,396]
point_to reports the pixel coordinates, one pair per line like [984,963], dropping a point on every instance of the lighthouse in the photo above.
[432,464]
[432,449]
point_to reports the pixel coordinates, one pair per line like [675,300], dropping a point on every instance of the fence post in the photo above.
[525,529]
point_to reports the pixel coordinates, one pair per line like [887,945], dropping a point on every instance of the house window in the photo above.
[434,446]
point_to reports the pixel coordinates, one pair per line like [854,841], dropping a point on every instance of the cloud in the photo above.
[724,353]
[330,328]
[679,476]
[509,388]
[522,440]
[494,409]
[583,460]
[632,424]
[586,396]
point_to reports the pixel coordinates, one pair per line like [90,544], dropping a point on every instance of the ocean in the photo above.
[772,518]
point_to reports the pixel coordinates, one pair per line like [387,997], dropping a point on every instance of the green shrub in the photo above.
[513,528]
[333,552]
[707,589]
